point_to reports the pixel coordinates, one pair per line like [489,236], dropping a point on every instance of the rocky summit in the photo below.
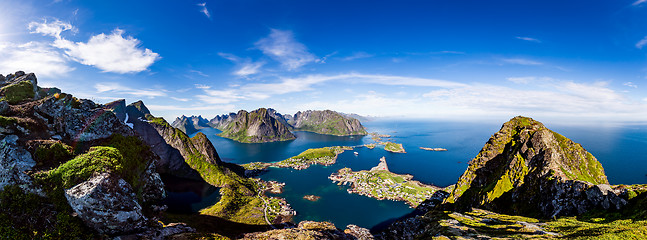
[525,168]
[256,126]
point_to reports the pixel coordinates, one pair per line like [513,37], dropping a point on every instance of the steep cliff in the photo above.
[256,126]
[525,168]
[327,122]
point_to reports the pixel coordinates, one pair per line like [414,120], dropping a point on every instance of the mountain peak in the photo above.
[527,168]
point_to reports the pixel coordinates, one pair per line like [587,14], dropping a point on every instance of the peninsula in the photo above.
[381,184]
[323,156]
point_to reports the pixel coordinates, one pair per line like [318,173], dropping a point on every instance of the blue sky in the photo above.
[567,61]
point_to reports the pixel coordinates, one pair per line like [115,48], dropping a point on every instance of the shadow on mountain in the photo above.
[212,224]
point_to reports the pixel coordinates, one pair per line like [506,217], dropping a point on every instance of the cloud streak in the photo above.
[112,87]
[281,46]
[640,44]
[529,39]
[204,10]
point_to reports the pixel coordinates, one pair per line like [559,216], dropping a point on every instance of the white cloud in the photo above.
[36,57]
[201,86]
[529,39]
[199,73]
[283,47]
[110,53]
[630,84]
[521,61]
[111,87]
[53,29]
[357,55]
[180,99]
[640,44]
[529,79]
[204,10]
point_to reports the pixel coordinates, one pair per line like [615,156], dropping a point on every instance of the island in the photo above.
[393,147]
[378,137]
[434,149]
[381,184]
[323,156]
[312,198]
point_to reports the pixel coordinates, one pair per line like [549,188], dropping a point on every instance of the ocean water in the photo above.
[621,150]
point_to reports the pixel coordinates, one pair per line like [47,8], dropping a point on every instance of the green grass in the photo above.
[81,168]
[6,121]
[54,153]
[18,92]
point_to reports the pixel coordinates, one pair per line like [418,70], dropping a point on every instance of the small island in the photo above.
[381,184]
[393,147]
[312,198]
[434,149]
[323,156]
[378,137]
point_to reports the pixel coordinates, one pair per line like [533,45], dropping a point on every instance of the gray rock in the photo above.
[2,79]
[4,106]
[159,233]
[14,161]
[106,203]
[153,185]
[82,121]
[359,232]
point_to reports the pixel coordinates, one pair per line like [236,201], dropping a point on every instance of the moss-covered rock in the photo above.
[18,92]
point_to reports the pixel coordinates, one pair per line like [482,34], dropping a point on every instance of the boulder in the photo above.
[14,162]
[153,185]
[107,204]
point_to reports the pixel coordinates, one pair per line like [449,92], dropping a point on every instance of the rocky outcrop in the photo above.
[527,169]
[255,127]
[313,230]
[107,204]
[190,125]
[80,120]
[19,87]
[14,162]
[327,122]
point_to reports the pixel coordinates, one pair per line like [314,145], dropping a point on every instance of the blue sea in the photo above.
[621,150]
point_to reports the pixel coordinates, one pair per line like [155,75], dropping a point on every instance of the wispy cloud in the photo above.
[246,66]
[281,46]
[112,87]
[180,99]
[630,84]
[521,61]
[204,10]
[529,39]
[636,3]
[199,73]
[53,28]
[201,86]
[640,44]
[36,57]
[530,79]
[357,55]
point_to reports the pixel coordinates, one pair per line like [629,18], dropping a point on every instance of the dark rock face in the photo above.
[256,126]
[171,159]
[327,122]
[107,204]
[527,169]
[118,108]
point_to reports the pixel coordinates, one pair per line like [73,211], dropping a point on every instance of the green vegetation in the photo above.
[79,169]
[18,92]
[582,165]
[29,216]
[6,121]
[53,153]
[394,147]
[598,228]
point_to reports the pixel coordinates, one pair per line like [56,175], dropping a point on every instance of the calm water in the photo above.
[621,150]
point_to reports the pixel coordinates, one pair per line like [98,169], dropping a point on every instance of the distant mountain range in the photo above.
[268,125]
